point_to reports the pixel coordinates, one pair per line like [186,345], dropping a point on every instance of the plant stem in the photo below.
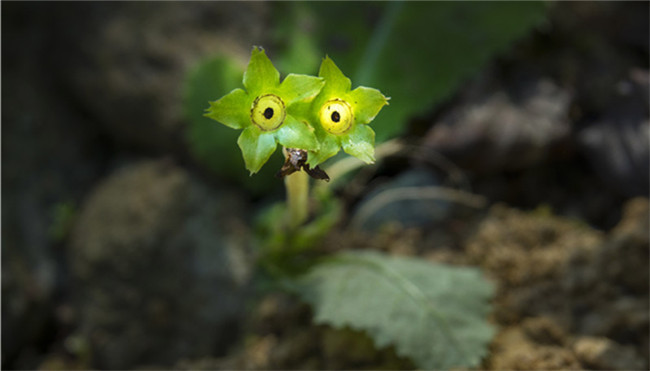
[297,185]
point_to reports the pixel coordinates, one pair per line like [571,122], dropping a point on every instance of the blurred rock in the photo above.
[126,63]
[614,282]
[622,23]
[160,267]
[51,155]
[540,260]
[500,124]
[527,249]
[604,354]
[624,258]
[617,142]
[600,50]
[378,208]
[595,56]
[543,330]
[513,349]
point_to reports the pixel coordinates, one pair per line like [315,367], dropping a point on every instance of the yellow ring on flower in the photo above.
[268,112]
[336,116]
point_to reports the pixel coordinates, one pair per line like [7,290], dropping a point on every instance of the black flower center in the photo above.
[336,117]
[268,113]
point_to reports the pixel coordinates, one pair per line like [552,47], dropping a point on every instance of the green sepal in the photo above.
[296,88]
[336,80]
[360,143]
[329,146]
[301,111]
[296,134]
[260,73]
[231,110]
[256,147]
[366,103]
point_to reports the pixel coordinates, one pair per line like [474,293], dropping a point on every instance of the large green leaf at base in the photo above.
[433,314]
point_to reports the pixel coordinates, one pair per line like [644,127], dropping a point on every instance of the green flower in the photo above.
[265,113]
[341,116]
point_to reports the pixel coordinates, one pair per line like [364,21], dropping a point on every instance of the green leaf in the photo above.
[329,146]
[335,79]
[299,87]
[360,143]
[260,73]
[296,134]
[366,103]
[301,111]
[256,147]
[433,314]
[232,110]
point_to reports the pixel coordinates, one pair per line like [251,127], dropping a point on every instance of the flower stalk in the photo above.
[297,185]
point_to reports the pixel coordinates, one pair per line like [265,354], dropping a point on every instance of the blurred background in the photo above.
[127,216]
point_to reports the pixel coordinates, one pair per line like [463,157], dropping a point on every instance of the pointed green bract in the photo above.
[231,110]
[367,103]
[300,87]
[260,73]
[360,143]
[295,134]
[336,80]
[329,146]
[301,111]
[256,147]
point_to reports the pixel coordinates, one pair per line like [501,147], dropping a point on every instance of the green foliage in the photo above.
[433,314]
[417,52]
